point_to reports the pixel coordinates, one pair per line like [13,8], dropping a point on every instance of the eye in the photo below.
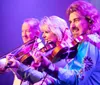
[76,19]
[47,31]
[70,22]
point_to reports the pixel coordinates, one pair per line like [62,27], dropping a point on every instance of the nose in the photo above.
[72,25]
[43,35]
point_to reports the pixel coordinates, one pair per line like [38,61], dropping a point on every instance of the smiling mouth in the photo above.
[75,29]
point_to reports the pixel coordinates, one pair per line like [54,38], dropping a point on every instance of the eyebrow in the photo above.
[75,18]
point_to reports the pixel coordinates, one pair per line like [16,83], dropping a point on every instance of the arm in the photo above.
[81,69]
[29,74]
[24,71]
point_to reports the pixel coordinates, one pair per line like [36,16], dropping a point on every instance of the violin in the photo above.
[57,53]
[54,52]
[19,51]
[60,52]
[28,58]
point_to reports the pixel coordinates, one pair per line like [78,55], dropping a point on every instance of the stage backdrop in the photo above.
[12,15]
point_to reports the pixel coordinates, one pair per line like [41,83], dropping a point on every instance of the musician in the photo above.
[30,30]
[54,29]
[84,69]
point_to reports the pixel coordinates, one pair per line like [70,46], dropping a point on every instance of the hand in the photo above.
[11,62]
[45,62]
[36,54]
[2,65]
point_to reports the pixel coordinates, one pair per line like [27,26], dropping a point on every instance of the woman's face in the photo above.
[47,34]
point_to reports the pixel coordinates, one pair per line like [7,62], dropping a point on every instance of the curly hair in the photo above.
[89,12]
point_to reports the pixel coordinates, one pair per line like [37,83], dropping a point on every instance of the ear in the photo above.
[89,19]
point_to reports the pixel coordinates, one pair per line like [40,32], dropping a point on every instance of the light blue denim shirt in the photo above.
[84,69]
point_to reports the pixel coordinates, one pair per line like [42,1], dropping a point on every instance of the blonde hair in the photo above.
[57,25]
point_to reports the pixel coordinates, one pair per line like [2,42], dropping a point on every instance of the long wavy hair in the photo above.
[89,12]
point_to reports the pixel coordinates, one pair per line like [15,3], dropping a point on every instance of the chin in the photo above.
[75,36]
[25,41]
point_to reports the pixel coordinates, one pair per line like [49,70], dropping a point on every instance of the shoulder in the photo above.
[94,39]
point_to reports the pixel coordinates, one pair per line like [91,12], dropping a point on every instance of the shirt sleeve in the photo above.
[82,70]
[27,73]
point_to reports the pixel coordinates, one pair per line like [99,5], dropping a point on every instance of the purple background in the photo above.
[12,15]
